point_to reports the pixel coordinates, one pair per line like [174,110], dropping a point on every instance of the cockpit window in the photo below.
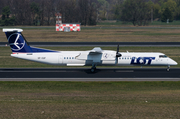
[162,56]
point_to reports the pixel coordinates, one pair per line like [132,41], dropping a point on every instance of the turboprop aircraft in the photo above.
[94,57]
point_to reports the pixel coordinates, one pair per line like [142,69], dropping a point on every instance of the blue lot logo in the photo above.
[142,60]
[16,41]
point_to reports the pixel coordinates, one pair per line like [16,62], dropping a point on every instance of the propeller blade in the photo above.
[117,52]
[117,49]
[116,62]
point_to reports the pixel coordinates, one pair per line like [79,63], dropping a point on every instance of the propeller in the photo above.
[117,54]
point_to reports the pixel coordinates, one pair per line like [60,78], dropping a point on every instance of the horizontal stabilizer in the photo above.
[12,30]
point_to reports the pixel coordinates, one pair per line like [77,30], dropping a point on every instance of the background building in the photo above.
[66,26]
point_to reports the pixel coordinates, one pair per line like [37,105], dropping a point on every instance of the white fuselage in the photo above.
[107,57]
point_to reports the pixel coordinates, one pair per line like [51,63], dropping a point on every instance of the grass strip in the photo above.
[101,35]
[89,100]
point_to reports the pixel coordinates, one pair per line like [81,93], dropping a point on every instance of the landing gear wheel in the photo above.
[93,68]
[168,68]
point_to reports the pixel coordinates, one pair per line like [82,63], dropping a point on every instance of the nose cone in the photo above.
[172,62]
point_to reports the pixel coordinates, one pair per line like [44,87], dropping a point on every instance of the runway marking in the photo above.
[40,71]
[124,71]
[70,71]
[90,79]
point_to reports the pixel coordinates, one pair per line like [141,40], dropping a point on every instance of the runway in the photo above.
[99,44]
[84,74]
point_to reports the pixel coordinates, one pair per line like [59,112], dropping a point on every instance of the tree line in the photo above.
[42,12]
[87,12]
[141,12]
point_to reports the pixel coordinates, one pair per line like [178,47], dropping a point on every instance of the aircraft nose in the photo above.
[172,62]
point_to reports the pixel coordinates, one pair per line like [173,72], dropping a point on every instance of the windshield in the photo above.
[162,56]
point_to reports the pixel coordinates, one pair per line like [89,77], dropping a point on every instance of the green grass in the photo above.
[154,23]
[131,34]
[114,23]
[147,33]
[92,100]
[174,23]
[92,87]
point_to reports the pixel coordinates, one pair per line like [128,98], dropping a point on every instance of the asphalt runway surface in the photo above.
[84,74]
[65,44]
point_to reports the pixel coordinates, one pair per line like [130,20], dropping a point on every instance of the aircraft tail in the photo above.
[18,43]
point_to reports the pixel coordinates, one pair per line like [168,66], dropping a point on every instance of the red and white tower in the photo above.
[66,26]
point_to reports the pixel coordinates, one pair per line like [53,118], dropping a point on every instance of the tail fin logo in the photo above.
[16,41]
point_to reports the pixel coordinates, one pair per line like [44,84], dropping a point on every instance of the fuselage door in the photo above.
[60,59]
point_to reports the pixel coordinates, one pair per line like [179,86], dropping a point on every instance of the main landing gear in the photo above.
[93,68]
[168,68]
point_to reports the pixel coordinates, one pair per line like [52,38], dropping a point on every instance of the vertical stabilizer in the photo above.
[16,41]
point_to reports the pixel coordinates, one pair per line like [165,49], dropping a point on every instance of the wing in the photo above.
[94,53]
[96,50]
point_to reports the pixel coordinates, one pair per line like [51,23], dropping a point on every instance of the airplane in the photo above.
[95,57]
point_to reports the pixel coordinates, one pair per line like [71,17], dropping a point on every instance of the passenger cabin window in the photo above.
[162,56]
